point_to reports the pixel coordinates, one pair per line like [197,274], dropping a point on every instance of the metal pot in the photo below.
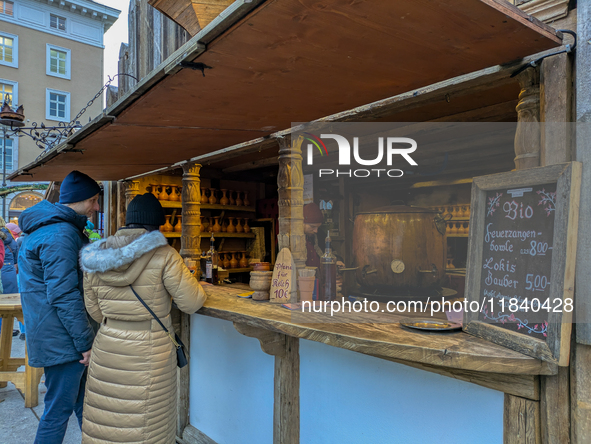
[399,248]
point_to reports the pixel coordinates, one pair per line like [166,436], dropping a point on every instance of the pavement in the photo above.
[18,424]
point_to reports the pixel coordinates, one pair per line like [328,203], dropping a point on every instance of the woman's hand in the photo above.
[85,358]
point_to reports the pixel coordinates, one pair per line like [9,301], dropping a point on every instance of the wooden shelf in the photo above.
[238,270]
[175,204]
[170,204]
[227,207]
[222,234]
[172,234]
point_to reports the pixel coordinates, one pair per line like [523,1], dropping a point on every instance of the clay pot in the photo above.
[224,200]
[178,228]
[216,226]
[204,198]
[204,224]
[226,262]
[212,198]
[238,200]
[244,260]
[155,191]
[174,195]
[245,226]
[163,194]
[231,227]
[239,227]
[246,202]
[224,226]
[306,287]
[234,262]
[231,197]
[261,266]
[260,282]
[167,227]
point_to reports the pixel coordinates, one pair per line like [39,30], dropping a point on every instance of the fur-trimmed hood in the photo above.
[117,254]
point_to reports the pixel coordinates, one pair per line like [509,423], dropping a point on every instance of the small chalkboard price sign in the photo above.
[521,260]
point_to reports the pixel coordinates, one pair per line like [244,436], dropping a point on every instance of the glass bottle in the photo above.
[211,263]
[328,273]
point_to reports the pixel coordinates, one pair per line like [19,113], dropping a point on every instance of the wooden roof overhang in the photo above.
[281,61]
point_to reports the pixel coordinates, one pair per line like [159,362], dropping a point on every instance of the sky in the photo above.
[114,36]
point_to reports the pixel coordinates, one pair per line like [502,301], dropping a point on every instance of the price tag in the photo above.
[284,281]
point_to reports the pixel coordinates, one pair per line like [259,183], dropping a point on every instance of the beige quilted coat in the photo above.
[131,390]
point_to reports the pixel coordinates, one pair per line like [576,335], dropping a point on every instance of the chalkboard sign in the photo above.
[521,259]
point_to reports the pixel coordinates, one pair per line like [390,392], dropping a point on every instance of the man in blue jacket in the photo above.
[59,334]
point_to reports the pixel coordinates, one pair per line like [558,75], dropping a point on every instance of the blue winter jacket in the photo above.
[58,327]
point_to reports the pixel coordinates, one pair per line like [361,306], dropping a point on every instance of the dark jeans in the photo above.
[65,394]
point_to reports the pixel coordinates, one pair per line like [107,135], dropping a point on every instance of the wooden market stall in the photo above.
[221,109]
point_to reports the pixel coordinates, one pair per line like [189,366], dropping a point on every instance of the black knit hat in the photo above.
[145,209]
[77,187]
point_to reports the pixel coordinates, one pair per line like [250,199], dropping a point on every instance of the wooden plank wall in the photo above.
[152,37]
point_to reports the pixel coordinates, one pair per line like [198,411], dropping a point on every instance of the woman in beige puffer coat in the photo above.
[131,390]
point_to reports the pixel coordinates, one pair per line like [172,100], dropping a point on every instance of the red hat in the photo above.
[312,214]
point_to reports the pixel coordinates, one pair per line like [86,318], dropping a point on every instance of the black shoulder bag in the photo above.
[181,358]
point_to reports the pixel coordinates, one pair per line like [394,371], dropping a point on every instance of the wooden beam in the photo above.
[524,386]
[555,407]
[286,406]
[580,393]
[555,109]
[191,435]
[272,343]
[521,421]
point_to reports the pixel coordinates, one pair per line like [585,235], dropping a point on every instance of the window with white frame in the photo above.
[9,152]
[58,62]
[9,50]
[57,22]
[8,92]
[57,105]
[6,7]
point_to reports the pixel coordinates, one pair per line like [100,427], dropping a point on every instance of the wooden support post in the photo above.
[286,407]
[121,207]
[527,135]
[190,248]
[113,208]
[556,109]
[290,183]
[191,199]
[132,189]
[555,407]
[521,421]
[580,393]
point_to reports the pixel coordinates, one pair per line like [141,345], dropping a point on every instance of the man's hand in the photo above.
[85,358]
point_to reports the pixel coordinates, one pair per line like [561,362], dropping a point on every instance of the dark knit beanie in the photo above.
[312,214]
[145,209]
[77,187]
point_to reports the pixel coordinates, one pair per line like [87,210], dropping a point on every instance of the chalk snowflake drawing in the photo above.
[493,203]
[503,318]
[548,199]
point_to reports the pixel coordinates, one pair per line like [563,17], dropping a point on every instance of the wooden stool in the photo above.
[27,381]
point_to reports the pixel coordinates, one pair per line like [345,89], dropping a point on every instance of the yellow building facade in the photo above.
[51,61]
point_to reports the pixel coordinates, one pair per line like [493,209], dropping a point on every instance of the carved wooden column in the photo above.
[132,189]
[191,199]
[190,248]
[290,183]
[527,135]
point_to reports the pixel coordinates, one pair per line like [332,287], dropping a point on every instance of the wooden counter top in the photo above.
[383,337]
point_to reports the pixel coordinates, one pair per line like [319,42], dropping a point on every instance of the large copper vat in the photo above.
[399,248]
